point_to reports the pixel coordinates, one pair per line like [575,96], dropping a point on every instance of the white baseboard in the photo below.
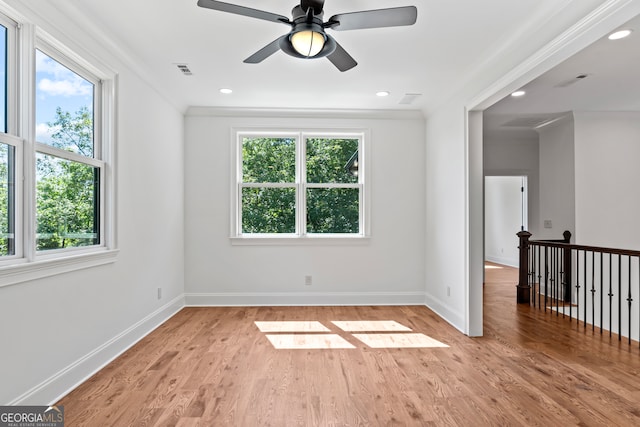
[454,318]
[58,385]
[503,261]
[306,298]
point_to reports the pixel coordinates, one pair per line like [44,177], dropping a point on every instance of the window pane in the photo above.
[268,159]
[7,200]
[332,160]
[333,210]
[268,210]
[64,107]
[67,203]
[3,79]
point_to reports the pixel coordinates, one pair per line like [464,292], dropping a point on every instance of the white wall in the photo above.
[387,270]
[516,154]
[445,253]
[557,180]
[451,212]
[607,149]
[503,215]
[58,330]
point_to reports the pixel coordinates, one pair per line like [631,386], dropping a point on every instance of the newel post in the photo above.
[524,291]
[567,267]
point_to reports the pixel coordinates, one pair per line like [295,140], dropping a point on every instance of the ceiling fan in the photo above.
[307,38]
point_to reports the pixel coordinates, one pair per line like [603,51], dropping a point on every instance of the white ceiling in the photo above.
[612,83]
[434,57]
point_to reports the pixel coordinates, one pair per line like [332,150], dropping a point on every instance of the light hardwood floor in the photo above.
[215,367]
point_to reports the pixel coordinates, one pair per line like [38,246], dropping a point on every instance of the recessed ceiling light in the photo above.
[382,93]
[226,91]
[619,34]
[518,93]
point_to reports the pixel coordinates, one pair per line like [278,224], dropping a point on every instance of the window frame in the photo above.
[300,235]
[17,145]
[11,136]
[95,161]
[28,263]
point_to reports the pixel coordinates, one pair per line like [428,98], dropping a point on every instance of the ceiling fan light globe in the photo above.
[308,43]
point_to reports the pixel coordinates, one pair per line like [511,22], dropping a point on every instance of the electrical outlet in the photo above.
[159,293]
[308,280]
[448,291]
[547,223]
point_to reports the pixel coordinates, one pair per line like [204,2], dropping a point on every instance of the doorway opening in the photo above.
[505,214]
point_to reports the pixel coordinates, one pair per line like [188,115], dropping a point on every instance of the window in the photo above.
[299,184]
[56,180]
[67,172]
[332,187]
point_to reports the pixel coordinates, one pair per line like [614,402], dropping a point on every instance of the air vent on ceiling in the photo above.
[184,69]
[573,80]
[408,98]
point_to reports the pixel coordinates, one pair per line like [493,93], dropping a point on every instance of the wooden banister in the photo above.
[594,285]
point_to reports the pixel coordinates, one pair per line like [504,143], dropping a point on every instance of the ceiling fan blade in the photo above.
[393,17]
[316,5]
[265,52]
[341,59]
[244,11]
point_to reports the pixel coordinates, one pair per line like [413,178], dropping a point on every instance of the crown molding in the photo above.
[304,113]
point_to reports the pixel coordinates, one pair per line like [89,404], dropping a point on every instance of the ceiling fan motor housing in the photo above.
[307,21]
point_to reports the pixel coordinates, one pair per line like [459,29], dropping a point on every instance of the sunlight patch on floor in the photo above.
[311,335]
[493,267]
[399,341]
[301,341]
[292,326]
[370,326]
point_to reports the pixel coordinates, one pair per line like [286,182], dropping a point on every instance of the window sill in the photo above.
[333,240]
[38,269]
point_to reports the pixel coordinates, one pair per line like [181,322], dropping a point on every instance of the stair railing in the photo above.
[597,286]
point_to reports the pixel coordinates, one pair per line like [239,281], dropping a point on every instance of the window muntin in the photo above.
[299,185]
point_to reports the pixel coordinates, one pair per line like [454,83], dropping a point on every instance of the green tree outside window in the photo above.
[331,191]
[67,192]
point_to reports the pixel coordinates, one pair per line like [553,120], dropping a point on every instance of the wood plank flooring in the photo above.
[214,367]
